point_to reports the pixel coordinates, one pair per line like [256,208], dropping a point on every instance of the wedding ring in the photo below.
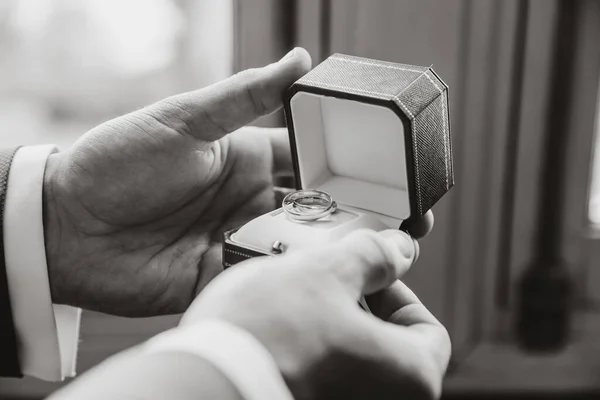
[308,205]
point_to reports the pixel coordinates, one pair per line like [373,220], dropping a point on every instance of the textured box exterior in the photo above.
[419,98]
[234,253]
[416,94]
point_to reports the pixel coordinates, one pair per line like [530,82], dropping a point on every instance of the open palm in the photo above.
[134,211]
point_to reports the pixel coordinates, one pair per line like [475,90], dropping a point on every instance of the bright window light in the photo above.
[131,37]
[594,202]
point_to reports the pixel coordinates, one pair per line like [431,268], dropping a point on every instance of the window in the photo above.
[67,65]
[594,200]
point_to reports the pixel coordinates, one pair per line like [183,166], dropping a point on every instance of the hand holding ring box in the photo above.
[371,148]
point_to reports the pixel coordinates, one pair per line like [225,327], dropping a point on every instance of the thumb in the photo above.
[211,113]
[367,261]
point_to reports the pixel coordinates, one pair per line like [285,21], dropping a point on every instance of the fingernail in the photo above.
[289,55]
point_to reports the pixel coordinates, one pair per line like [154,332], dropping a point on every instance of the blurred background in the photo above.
[513,265]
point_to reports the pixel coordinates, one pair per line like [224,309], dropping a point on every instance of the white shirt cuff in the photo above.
[234,351]
[48,334]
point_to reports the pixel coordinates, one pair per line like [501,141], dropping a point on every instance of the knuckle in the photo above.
[173,114]
[436,352]
[429,380]
[255,98]
[156,118]
[444,350]
[254,91]
[423,377]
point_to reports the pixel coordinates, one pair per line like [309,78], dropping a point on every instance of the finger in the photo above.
[421,227]
[410,341]
[280,145]
[366,261]
[415,243]
[211,113]
[421,360]
[398,305]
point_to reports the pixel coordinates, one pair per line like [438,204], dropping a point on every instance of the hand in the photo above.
[303,308]
[134,211]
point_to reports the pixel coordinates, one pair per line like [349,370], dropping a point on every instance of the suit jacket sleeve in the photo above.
[9,362]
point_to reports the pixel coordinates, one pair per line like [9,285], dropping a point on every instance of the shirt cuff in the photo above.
[48,334]
[234,351]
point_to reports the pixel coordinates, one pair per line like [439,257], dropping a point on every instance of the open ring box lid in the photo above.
[375,135]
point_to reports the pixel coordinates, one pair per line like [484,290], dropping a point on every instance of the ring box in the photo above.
[375,135]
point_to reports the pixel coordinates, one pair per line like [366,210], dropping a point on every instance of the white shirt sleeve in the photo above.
[48,334]
[235,352]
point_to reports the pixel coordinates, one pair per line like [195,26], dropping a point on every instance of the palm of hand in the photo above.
[134,211]
[155,203]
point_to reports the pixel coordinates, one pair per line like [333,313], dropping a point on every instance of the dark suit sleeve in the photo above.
[9,357]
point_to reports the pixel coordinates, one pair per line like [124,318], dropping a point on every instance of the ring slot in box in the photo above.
[375,136]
